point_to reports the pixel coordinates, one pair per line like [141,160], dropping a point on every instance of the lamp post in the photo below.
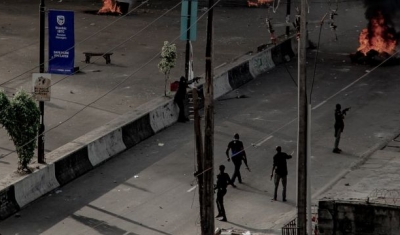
[41,70]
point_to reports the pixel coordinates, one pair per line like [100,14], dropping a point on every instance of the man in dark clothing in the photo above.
[238,155]
[181,100]
[339,126]
[222,183]
[281,172]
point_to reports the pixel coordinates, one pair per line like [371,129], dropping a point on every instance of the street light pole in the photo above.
[41,70]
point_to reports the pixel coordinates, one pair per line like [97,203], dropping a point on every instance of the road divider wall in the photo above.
[37,184]
[84,153]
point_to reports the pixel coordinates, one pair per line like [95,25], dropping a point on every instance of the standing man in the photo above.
[222,183]
[238,155]
[181,100]
[281,172]
[339,125]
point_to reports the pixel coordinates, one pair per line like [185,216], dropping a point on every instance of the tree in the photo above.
[20,117]
[168,59]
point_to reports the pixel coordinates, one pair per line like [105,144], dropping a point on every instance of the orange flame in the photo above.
[377,38]
[257,3]
[110,6]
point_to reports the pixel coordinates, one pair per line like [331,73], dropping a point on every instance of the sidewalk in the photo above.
[20,43]
[377,180]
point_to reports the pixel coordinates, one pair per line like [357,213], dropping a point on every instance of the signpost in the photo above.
[61,42]
[41,84]
[189,33]
[189,18]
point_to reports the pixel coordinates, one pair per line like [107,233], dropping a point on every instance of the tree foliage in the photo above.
[168,60]
[20,117]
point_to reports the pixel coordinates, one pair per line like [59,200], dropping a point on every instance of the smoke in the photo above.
[390,10]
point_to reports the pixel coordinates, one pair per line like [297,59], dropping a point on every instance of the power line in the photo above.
[145,65]
[85,106]
[117,85]
[84,40]
[270,135]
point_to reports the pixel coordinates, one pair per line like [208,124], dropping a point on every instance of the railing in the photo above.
[290,228]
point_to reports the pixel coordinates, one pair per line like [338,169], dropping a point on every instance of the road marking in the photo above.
[191,189]
[263,141]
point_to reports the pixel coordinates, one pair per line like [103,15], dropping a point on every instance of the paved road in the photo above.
[149,189]
[20,46]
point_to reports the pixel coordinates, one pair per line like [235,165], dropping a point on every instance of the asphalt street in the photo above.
[149,189]
[135,40]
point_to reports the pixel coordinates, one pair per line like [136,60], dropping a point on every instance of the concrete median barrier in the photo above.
[83,154]
[35,185]
[239,75]
[163,116]
[221,85]
[283,52]
[105,147]
[8,204]
[137,131]
[261,63]
[72,165]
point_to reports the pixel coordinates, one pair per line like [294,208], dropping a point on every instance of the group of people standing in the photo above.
[279,168]
[238,155]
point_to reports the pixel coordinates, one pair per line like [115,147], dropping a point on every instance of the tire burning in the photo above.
[379,40]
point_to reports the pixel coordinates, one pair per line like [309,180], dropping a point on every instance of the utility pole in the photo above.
[187,55]
[41,70]
[209,129]
[200,155]
[288,17]
[302,138]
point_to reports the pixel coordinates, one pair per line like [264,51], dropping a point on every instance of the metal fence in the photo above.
[290,228]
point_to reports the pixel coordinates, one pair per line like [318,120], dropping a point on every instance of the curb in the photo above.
[362,159]
[88,151]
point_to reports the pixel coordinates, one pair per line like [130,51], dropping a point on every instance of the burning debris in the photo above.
[378,36]
[257,3]
[379,40]
[110,7]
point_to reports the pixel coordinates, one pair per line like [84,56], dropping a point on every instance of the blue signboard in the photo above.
[193,20]
[61,42]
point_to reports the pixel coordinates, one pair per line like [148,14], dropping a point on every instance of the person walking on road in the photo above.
[223,181]
[181,100]
[281,172]
[339,126]
[238,155]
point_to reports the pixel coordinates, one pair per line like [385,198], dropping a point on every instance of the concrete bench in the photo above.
[106,56]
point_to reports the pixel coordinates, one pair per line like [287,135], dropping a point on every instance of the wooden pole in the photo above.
[200,156]
[209,128]
[302,138]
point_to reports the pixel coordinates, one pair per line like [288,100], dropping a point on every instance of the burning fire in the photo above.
[109,6]
[377,37]
[256,3]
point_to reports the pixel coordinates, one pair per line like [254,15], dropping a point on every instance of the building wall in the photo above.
[357,218]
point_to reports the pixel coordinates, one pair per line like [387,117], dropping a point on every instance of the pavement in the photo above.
[377,180]
[350,181]
[19,58]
